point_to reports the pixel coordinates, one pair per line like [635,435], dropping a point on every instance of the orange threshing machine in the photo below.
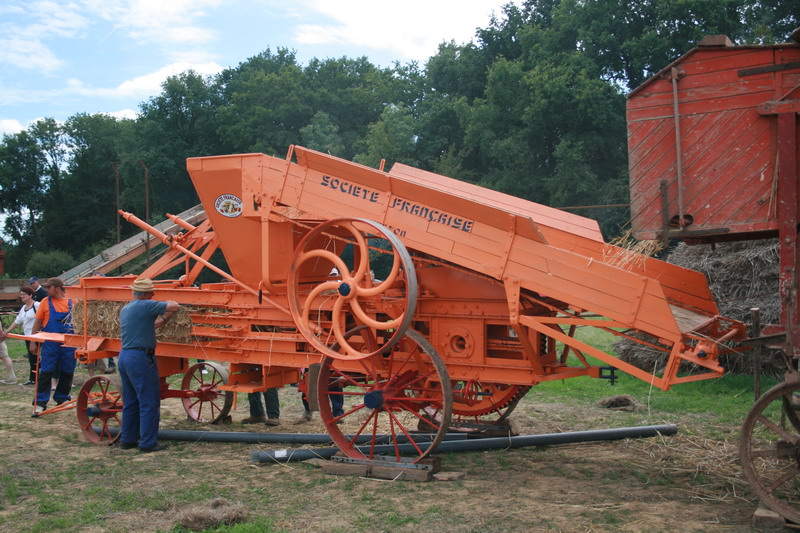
[475,297]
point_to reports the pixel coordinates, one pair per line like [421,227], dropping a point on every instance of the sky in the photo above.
[59,58]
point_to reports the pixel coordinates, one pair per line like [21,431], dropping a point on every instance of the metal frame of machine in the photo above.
[481,297]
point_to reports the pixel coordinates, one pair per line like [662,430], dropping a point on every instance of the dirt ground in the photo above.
[53,480]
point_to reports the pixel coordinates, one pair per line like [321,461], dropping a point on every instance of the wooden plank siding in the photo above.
[728,149]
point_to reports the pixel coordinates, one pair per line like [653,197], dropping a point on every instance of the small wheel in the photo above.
[388,397]
[206,403]
[99,407]
[477,404]
[324,307]
[769,451]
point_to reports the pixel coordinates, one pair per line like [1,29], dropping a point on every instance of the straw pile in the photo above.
[217,513]
[103,321]
[713,466]
[625,252]
[741,275]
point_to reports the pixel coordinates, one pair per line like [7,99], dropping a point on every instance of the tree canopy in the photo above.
[534,106]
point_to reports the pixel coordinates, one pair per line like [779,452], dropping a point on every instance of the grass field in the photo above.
[51,480]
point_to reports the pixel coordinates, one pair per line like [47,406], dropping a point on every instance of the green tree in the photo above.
[265,103]
[87,213]
[391,138]
[353,93]
[322,135]
[49,264]
[178,123]
[49,135]
[22,165]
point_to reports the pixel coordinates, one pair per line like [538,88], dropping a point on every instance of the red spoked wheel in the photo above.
[205,401]
[477,404]
[325,307]
[99,406]
[389,396]
[769,451]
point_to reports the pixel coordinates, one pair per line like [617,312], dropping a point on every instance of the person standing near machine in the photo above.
[26,317]
[54,316]
[137,366]
[39,292]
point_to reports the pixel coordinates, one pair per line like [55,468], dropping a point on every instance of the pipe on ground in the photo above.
[288,438]
[501,443]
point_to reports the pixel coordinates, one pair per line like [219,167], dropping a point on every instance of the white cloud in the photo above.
[28,54]
[150,84]
[165,23]
[173,25]
[140,87]
[9,126]
[55,19]
[413,32]
[29,24]
[129,114]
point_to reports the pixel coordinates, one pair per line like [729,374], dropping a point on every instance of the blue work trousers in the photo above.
[55,360]
[337,401]
[141,396]
[270,398]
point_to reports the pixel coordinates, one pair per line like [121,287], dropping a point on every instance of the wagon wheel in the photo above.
[769,451]
[325,309]
[477,404]
[206,403]
[99,406]
[392,392]
[791,409]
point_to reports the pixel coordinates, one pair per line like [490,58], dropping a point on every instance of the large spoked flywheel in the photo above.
[333,287]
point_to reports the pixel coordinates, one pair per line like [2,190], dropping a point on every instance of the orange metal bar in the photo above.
[169,242]
[594,352]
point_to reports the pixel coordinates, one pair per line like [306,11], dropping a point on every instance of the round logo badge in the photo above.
[228,205]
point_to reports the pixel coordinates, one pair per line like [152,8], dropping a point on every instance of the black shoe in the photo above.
[156,448]
[29,382]
[128,445]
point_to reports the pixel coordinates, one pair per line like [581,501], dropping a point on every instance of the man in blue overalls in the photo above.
[55,359]
[141,385]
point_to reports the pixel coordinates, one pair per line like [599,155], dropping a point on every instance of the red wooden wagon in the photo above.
[714,152]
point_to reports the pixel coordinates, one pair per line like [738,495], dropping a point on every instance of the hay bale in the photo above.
[218,512]
[741,275]
[103,320]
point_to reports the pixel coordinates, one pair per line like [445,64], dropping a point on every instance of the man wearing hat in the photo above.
[55,359]
[141,385]
[39,292]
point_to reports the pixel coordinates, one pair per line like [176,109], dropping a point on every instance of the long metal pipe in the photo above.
[548,439]
[288,438]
